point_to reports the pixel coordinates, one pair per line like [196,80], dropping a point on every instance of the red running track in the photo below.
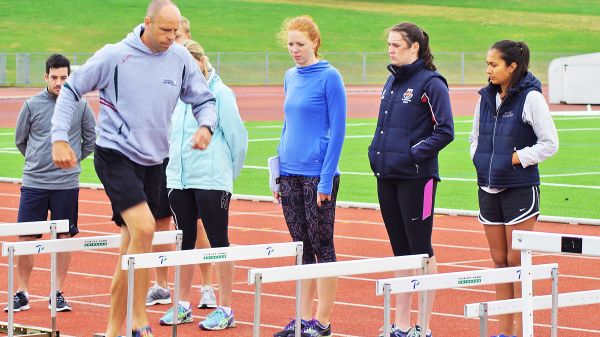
[459,243]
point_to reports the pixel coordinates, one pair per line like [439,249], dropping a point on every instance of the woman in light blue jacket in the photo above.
[200,184]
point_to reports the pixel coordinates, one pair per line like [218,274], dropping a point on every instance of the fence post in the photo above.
[3,69]
[462,68]
[219,63]
[22,60]
[267,67]
[364,67]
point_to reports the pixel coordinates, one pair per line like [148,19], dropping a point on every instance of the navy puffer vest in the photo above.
[502,132]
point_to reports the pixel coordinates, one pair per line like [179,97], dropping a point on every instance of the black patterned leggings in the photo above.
[306,221]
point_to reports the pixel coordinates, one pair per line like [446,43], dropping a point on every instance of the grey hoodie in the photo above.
[32,138]
[138,92]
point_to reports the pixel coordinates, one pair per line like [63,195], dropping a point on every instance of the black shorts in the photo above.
[127,183]
[62,204]
[164,211]
[509,207]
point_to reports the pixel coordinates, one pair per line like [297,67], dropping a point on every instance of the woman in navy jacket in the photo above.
[415,123]
[512,132]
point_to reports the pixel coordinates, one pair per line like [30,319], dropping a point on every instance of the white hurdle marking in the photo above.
[424,283]
[31,228]
[258,276]
[528,242]
[13,249]
[195,256]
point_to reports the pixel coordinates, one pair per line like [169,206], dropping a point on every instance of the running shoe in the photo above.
[208,300]
[158,295]
[183,316]
[314,328]
[218,320]
[290,328]
[20,302]
[416,332]
[61,303]
[396,332]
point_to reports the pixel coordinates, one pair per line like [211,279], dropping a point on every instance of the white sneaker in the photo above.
[208,300]
[158,295]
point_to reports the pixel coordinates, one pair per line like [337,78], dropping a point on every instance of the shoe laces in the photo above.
[59,297]
[20,295]
[216,315]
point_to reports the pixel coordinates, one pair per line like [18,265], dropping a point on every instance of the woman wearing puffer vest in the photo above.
[415,123]
[512,132]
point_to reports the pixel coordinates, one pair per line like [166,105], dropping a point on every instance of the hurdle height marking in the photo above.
[528,242]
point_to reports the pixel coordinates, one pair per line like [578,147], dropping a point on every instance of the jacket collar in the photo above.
[406,71]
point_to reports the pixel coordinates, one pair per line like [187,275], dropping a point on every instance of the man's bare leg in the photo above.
[162,224]
[136,238]
[62,265]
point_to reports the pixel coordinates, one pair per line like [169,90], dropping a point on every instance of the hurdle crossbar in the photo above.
[33,227]
[12,249]
[494,308]
[132,262]
[425,283]
[528,242]
[258,276]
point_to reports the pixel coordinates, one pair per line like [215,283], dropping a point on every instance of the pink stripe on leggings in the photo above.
[427,199]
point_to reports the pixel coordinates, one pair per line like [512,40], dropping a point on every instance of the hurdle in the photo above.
[259,276]
[528,242]
[28,228]
[12,249]
[463,279]
[196,256]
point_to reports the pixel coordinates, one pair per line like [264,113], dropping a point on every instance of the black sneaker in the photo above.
[61,303]
[314,328]
[289,329]
[20,302]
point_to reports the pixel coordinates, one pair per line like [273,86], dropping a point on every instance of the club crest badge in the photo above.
[407,96]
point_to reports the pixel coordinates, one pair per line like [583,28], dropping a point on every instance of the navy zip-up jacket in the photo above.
[502,132]
[414,124]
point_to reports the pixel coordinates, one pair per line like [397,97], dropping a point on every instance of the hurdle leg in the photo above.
[257,286]
[527,292]
[178,241]
[298,322]
[483,319]
[386,309]
[130,280]
[554,316]
[54,236]
[11,290]
[423,301]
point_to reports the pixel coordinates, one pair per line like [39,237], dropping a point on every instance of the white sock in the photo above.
[227,310]
[186,305]
[206,287]
[26,294]
[158,286]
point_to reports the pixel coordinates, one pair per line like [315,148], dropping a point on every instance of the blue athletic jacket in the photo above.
[414,124]
[502,132]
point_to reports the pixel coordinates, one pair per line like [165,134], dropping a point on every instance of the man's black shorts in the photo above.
[62,204]
[164,211]
[127,183]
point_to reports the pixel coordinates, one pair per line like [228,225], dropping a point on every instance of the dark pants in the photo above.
[306,221]
[62,204]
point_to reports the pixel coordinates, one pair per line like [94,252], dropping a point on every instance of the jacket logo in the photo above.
[170,82]
[124,59]
[407,96]
[383,94]
[507,114]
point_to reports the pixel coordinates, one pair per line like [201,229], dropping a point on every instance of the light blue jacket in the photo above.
[216,167]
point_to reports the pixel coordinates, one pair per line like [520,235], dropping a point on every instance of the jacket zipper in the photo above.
[494,143]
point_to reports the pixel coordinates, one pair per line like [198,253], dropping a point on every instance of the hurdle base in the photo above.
[29,331]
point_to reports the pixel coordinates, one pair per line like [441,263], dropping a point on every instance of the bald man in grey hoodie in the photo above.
[139,80]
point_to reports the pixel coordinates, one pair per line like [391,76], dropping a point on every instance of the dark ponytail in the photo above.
[514,52]
[412,33]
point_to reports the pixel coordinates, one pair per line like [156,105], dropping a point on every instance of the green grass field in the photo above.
[251,25]
[570,179]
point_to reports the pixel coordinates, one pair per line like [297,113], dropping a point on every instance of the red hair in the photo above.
[305,24]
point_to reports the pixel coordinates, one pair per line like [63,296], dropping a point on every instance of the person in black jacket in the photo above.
[512,132]
[414,124]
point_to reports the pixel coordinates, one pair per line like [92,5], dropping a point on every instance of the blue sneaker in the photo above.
[416,332]
[143,332]
[396,332]
[20,302]
[218,320]
[184,315]
[289,329]
[314,328]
